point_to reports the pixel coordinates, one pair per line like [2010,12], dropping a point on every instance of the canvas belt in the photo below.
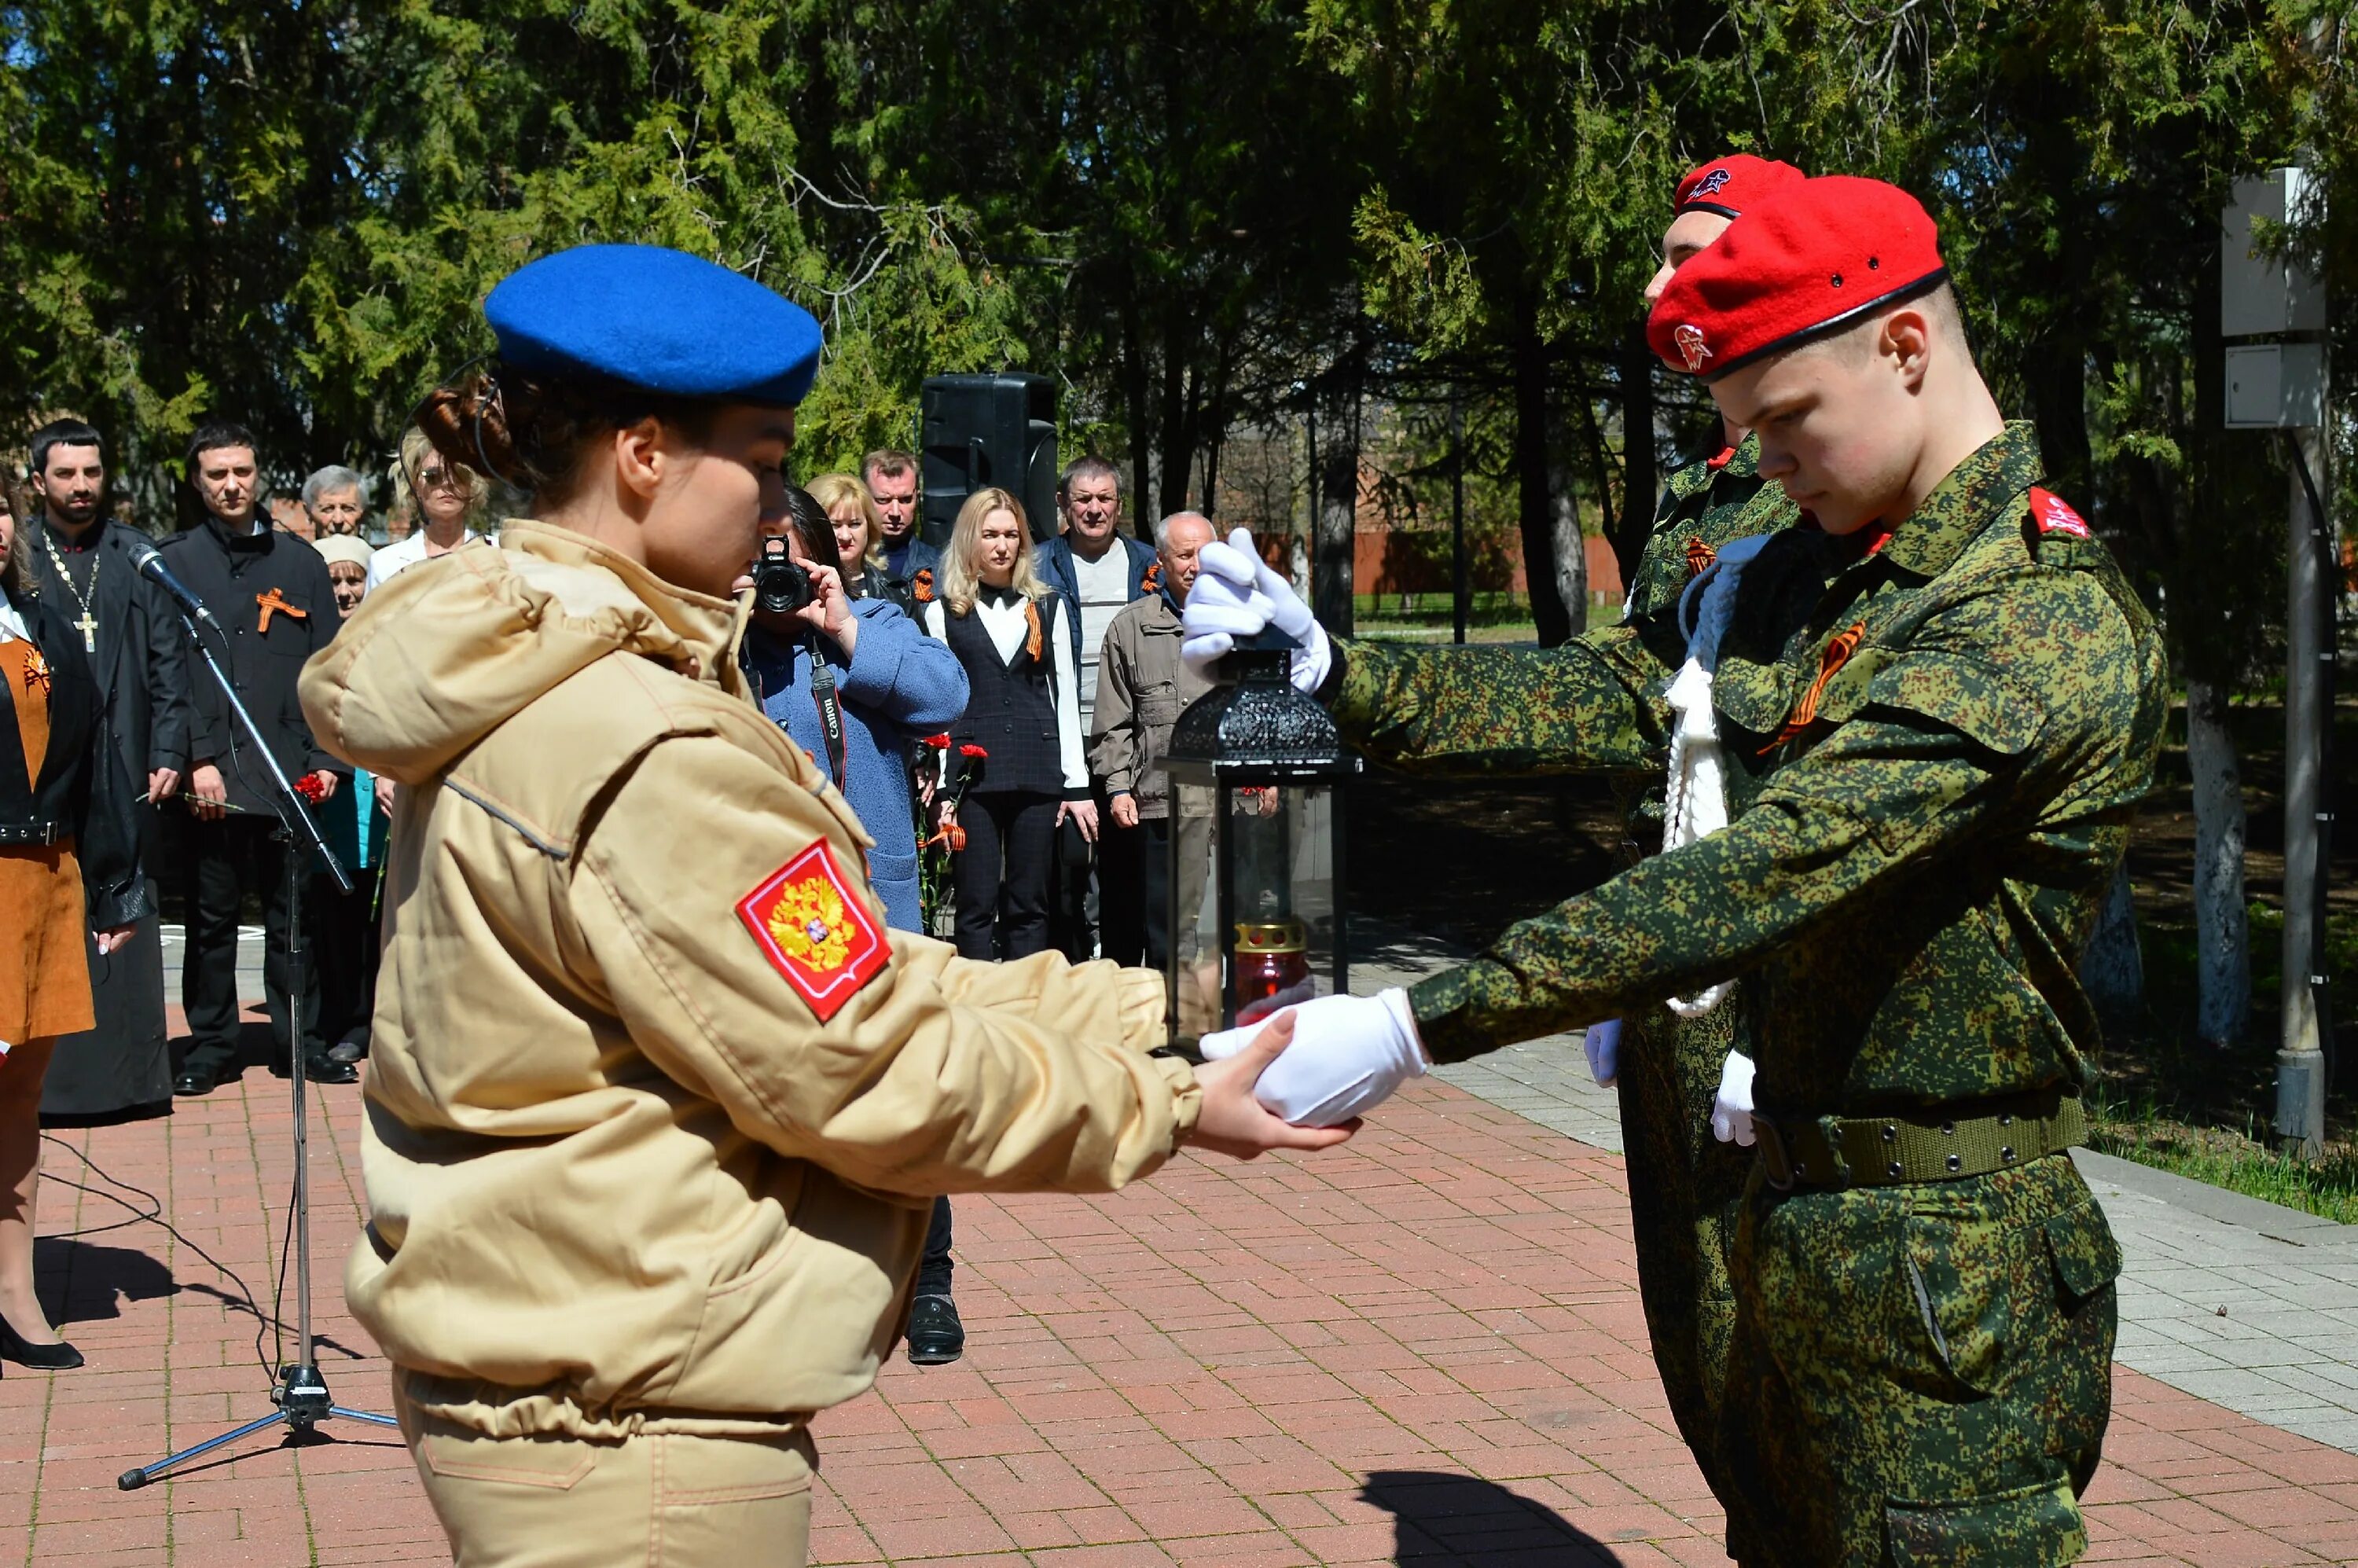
[1900,1151]
[42,833]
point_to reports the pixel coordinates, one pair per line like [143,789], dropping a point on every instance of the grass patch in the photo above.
[2235,1160]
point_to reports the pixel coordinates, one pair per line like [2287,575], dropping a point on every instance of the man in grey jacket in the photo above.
[1142,688]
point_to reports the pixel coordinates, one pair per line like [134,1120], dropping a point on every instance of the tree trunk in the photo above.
[1141,442]
[1571,550]
[1641,480]
[2112,968]
[1336,518]
[1541,568]
[2222,938]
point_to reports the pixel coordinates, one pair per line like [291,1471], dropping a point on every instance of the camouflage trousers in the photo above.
[1919,1374]
[1686,1192]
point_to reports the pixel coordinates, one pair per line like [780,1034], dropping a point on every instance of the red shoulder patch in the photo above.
[1726,455]
[2054,515]
[816,931]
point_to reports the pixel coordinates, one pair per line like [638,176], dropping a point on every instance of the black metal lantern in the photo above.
[1270,759]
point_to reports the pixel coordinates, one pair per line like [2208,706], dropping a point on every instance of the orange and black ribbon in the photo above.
[36,671]
[1830,663]
[274,604]
[1700,557]
[1032,628]
[921,586]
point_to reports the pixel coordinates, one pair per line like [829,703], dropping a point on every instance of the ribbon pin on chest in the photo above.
[274,604]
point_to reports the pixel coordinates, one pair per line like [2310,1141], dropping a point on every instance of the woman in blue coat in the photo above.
[892,684]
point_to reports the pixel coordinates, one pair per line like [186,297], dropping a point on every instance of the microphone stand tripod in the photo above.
[300,1394]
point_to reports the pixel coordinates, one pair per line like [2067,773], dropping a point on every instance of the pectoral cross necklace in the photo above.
[88,625]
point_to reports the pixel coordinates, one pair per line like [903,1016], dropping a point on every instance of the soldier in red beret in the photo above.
[1929,712]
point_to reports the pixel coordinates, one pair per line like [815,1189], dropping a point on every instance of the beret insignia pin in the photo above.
[1689,338]
[1714,183]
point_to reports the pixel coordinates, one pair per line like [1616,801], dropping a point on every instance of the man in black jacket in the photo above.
[276,607]
[132,641]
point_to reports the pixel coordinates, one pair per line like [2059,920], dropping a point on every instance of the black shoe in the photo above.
[348,1051]
[325,1069]
[58,1358]
[936,1337]
[196,1079]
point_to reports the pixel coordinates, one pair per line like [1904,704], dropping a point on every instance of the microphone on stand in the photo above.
[148,562]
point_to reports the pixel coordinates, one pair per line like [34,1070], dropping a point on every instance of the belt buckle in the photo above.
[1776,1160]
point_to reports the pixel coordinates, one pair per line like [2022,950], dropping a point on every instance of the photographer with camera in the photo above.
[854,683]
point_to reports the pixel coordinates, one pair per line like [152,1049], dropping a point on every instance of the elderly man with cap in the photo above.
[657,1107]
[1906,739]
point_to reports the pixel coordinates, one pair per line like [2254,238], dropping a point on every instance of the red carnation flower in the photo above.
[938,742]
[972,751]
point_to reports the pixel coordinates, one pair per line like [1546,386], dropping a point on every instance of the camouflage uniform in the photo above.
[1938,749]
[1685,1186]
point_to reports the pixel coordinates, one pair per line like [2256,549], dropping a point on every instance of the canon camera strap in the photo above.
[831,711]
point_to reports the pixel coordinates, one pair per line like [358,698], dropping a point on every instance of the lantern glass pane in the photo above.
[1280,945]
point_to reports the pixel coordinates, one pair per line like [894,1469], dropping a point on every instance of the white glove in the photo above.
[1603,1043]
[1731,1110]
[1347,1056]
[1237,595]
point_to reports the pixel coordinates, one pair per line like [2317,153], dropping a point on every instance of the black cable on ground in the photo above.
[153,1214]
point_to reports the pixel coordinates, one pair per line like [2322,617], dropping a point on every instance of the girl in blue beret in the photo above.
[658,1103]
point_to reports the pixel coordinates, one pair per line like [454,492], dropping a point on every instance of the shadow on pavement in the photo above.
[1459,1521]
[96,1280]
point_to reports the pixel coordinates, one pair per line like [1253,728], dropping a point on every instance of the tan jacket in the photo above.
[1142,688]
[623,1177]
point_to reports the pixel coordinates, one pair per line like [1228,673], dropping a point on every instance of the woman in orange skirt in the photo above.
[67,854]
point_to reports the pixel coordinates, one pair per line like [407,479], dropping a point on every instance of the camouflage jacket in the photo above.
[1938,749]
[1706,504]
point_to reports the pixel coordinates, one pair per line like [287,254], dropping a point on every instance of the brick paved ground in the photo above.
[1426,1349]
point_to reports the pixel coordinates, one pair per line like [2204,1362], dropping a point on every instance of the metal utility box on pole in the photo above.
[2277,380]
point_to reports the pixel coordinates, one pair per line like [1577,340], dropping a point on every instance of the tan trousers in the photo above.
[663,1501]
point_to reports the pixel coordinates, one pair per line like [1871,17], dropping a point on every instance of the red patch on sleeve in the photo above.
[1726,455]
[2054,515]
[816,931]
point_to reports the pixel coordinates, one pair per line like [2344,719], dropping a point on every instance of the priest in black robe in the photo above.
[133,641]
[276,606]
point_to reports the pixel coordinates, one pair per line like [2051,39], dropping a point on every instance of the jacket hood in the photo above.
[445,653]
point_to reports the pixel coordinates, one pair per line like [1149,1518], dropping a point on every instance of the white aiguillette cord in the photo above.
[1696,807]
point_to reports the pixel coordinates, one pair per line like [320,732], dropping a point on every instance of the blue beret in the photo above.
[656,318]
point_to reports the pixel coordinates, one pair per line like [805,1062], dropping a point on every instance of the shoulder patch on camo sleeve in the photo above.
[815,930]
[2053,515]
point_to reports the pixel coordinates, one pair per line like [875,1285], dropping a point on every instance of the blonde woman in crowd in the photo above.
[445,496]
[1007,627]
[859,536]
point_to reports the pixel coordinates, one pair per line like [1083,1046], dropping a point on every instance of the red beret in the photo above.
[1729,184]
[1800,265]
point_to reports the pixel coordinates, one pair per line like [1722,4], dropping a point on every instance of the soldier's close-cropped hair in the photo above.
[63,433]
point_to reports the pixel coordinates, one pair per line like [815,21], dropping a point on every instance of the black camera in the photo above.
[780,586]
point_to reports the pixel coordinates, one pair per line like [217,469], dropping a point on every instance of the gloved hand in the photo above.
[1349,1052]
[1731,1109]
[1237,595]
[1603,1043]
